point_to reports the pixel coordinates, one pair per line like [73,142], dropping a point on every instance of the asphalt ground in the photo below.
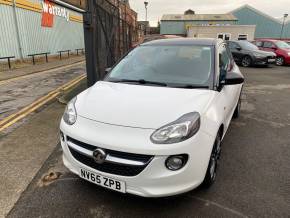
[253,175]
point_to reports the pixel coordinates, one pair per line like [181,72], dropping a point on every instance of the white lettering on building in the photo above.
[55,10]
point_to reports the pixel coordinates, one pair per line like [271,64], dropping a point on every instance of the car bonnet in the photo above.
[140,106]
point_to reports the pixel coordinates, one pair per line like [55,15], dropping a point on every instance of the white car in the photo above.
[153,127]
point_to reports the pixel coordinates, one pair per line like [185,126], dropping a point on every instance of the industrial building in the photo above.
[189,24]
[226,32]
[35,26]
[266,26]
[31,27]
[244,22]
[177,24]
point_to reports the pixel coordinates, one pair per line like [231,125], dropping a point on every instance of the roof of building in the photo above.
[198,17]
[280,21]
[184,41]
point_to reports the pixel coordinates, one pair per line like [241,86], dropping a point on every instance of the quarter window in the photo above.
[224,62]
[268,45]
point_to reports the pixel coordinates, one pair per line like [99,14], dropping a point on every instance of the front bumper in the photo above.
[287,60]
[264,60]
[155,180]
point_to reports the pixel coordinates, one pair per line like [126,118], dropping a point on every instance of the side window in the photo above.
[224,62]
[220,36]
[243,37]
[233,45]
[224,36]
[258,43]
[268,45]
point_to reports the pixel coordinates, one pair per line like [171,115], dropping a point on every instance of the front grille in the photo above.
[108,167]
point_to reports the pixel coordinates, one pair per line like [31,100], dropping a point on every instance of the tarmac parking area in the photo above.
[253,177]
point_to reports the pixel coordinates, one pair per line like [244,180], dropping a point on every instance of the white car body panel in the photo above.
[145,106]
[122,117]
[155,180]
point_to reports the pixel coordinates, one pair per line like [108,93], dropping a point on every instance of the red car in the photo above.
[280,48]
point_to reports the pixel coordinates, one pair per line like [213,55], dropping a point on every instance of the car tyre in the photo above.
[246,61]
[280,61]
[211,171]
[238,109]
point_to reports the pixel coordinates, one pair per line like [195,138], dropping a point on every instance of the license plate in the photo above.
[103,181]
[271,60]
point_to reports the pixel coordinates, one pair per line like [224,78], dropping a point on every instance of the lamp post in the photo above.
[146,5]
[282,29]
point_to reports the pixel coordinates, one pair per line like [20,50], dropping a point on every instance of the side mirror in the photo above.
[239,48]
[233,78]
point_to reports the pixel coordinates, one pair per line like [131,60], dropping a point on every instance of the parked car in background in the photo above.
[248,54]
[153,127]
[281,49]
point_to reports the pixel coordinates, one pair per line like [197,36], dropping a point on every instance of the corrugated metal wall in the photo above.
[265,26]
[64,35]
[8,35]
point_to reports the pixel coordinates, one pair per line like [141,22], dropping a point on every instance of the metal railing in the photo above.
[63,51]
[80,49]
[39,54]
[8,60]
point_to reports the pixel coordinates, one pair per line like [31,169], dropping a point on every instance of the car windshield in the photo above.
[281,44]
[173,66]
[248,46]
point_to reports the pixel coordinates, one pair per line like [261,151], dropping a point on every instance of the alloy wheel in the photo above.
[246,62]
[214,158]
[218,148]
[211,171]
[279,61]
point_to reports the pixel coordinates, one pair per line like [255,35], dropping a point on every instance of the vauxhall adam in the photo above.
[153,127]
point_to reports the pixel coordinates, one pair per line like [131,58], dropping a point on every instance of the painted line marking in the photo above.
[12,119]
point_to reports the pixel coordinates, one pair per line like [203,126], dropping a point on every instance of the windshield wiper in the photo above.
[139,81]
[190,86]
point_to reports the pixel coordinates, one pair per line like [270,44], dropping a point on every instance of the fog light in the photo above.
[61,136]
[176,162]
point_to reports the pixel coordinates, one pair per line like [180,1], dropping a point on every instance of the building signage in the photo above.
[49,10]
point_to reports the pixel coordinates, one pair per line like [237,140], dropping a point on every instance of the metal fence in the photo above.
[110,29]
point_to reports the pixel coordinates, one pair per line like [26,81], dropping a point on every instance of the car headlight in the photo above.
[70,113]
[177,131]
[288,53]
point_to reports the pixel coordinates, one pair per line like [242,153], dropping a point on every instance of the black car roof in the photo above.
[183,41]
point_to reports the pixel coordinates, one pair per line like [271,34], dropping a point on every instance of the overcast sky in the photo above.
[157,8]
